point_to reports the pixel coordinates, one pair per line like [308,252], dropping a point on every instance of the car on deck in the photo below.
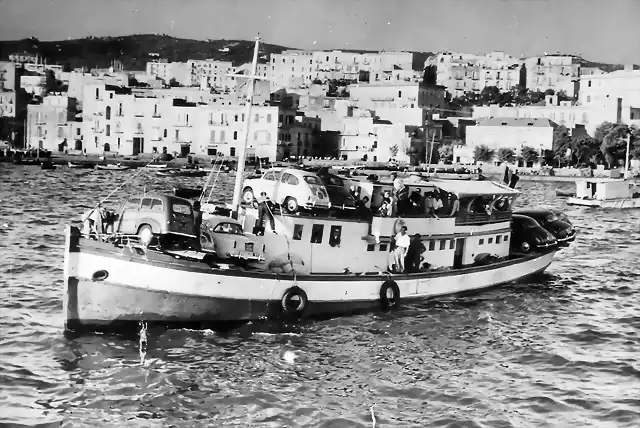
[225,237]
[156,216]
[337,188]
[527,235]
[555,222]
[292,188]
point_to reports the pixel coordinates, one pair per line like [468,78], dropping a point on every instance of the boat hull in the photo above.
[107,285]
[610,203]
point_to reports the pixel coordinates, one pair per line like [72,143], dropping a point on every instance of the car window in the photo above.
[231,228]
[277,175]
[182,209]
[269,176]
[310,179]
[551,217]
[156,204]
[292,180]
[133,203]
[284,178]
[146,203]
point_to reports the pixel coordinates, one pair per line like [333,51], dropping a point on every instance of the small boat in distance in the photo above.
[50,166]
[606,193]
[565,193]
[79,165]
[112,167]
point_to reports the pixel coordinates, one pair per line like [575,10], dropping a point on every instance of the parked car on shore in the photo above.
[527,235]
[552,221]
[292,188]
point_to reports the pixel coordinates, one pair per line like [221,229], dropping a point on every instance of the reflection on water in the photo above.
[561,351]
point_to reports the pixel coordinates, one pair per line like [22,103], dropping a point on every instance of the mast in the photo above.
[242,152]
[626,160]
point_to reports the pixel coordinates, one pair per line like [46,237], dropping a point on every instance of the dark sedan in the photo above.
[557,223]
[527,234]
[338,193]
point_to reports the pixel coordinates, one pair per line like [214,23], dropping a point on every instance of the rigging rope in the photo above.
[125,182]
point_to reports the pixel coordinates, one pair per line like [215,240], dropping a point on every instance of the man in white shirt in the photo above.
[402,241]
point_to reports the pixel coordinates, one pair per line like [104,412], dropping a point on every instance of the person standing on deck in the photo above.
[264,210]
[402,242]
[197,224]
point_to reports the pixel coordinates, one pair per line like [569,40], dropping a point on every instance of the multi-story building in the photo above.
[33,83]
[119,120]
[12,99]
[553,71]
[374,140]
[297,134]
[460,73]
[211,73]
[168,71]
[52,125]
[571,115]
[300,68]
[601,88]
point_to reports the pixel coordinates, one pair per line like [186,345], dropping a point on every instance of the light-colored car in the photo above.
[154,215]
[224,236]
[290,187]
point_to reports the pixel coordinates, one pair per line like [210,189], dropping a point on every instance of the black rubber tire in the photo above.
[389,295]
[294,302]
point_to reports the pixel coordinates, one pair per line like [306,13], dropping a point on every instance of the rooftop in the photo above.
[517,121]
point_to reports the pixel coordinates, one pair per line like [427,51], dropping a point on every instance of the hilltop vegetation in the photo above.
[133,51]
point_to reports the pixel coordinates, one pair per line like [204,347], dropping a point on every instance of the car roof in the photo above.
[221,218]
[534,212]
[163,196]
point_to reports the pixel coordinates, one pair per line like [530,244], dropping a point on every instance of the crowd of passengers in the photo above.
[434,203]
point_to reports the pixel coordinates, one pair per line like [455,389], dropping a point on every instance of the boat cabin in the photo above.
[605,189]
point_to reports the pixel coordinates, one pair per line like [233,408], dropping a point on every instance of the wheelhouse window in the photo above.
[335,236]
[316,233]
[498,239]
[432,245]
[230,228]
[443,244]
[297,232]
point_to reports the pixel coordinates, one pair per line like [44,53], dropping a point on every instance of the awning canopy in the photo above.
[466,188]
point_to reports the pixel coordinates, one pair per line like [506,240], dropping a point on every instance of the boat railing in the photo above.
[482,218]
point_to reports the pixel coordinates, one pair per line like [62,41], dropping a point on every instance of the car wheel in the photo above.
[247,195]
[145,234]
[291,205]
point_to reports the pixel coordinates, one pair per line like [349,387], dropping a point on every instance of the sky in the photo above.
[599,30]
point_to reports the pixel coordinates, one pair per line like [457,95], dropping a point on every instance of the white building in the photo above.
[602,88]
[53,123]
[378,140]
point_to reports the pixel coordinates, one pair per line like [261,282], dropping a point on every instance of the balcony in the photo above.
[156,115]
[218,123]
[182,125]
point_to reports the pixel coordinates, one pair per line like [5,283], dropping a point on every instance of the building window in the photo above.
[108,130]
[60,132]
[316,233]
[213,136]
[78,131]
[268,118]
[235,135]
[232,151]
[118,143]
[399,94]
[256,118]
[97,93]
[165,133]
[222,136]
[39,131]
[235,117]
[108,113]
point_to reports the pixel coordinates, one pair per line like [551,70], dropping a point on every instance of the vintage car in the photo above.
[556,223]
[224,237]
[527,235]
[290,187]
[337,188]
[156,217]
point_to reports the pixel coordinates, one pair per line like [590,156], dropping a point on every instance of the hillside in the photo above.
[134,50]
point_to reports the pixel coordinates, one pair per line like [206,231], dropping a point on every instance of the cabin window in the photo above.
[490,241]
[481,241]
[383,247]
[452,244]
[443,245]
[316,233]
[506,238]
[371,247]
[297,232]
[498,239]
[335,235]
[432,245]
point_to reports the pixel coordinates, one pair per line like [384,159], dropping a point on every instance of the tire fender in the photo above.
[294,301]
[389,295]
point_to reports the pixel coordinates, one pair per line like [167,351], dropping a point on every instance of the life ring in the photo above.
[398,225]
[389,295]
[294,301]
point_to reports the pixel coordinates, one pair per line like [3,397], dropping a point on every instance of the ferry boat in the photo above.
[606,193]
[150,265]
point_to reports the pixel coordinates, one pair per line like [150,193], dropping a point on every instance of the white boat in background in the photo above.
[606,193]
[157,166]
[316,263]
[112,167]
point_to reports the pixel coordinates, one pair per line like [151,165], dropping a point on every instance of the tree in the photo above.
[483,153]
[583,148]
[174,83]
[50,82]
[529,155]
[561,141]
[613,141]
[446,152]
[506,154]
[489,95]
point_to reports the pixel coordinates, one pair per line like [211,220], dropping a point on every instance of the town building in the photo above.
[297,134]
[371,139]
[118,120]
[553,71]
[566,113]
[507,132]
[602,88]
[53,125]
